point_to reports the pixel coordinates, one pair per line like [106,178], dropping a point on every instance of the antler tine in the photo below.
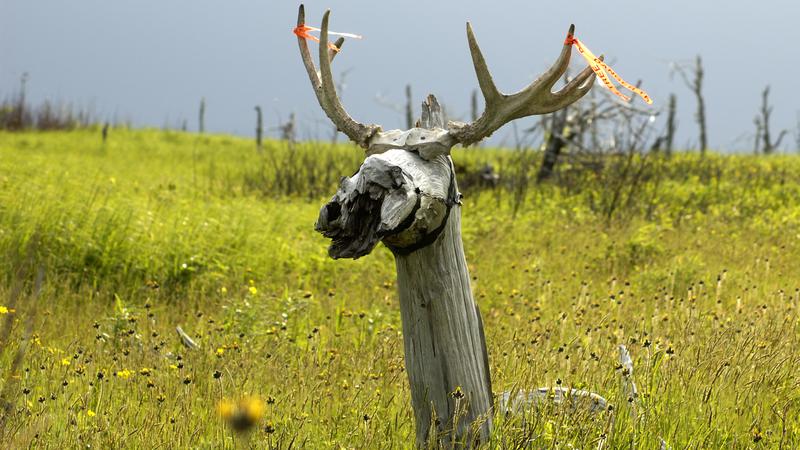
[338,44]
[551,76]
[577,87]
[306,55]
[536,98]
[485,81]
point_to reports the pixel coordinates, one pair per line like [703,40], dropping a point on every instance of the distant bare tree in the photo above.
[797,133]
[558,136]
[20,118]
[105,132]
[201,116]
[409,108]
[473,109]
[666,140]
[259,127]
[23,82]
[609,138]
[763,121]
[757,136]
[473,104]
[671,125]
[556,139]
[696,86]
[289,129]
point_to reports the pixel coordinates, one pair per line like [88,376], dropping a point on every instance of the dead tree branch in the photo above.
[695,84]
[763,120]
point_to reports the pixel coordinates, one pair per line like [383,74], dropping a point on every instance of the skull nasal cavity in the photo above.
[333,210]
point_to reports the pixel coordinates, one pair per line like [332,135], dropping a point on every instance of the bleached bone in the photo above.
[627,380]
[627,372]
[521,401]
[185,339]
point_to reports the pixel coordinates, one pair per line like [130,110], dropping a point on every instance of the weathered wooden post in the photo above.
[405,195]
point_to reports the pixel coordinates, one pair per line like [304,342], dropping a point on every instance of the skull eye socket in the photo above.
[333,211]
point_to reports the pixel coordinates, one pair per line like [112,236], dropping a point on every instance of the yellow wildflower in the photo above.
[65,362]
[253,290]
[124,374]
[241,415]
[90,413]
[226,409]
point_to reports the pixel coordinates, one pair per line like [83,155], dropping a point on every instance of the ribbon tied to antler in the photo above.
[599,67]
[304,31]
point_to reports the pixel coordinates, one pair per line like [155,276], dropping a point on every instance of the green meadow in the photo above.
[105,248]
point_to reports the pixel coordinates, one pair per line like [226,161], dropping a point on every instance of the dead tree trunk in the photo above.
[671,125]
[555,143]
[259,127]
[701,104]
[696,86]
[473,106]
[288,130]
[757,137]
[766,111]
[201,116]
[797,133]
[409,108]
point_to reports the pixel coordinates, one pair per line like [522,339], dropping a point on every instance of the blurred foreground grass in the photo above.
[695,271]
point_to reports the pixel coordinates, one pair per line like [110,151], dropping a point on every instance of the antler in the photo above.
[537,98]
[324,88]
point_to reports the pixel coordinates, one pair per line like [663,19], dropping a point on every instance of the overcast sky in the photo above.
[150,61]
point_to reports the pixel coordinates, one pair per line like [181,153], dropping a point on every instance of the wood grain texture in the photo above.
[444,344]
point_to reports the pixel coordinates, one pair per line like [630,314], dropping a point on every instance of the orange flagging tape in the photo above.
[303,31]
[599,68]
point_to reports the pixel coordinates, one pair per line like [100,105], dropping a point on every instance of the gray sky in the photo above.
[150,61]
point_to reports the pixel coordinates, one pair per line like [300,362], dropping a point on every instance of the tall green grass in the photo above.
[691,264]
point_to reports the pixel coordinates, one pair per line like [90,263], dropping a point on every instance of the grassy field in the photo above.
[106,248]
